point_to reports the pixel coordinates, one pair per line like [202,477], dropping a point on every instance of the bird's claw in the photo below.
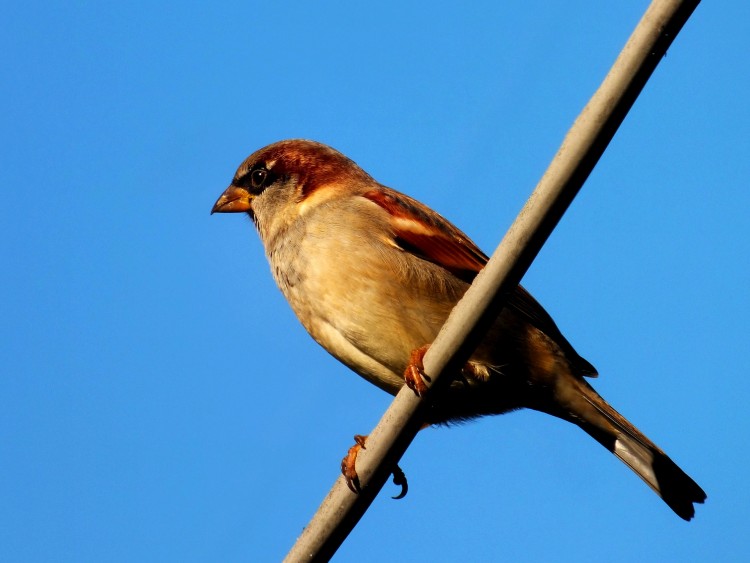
[399,479]
[347,464]
[414,375]
[350,473]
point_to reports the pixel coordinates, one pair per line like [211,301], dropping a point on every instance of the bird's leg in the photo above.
[414,375]
[350,473]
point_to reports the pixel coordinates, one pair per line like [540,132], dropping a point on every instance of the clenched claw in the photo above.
[347,464]
[350,473]
[399,479]
[414,375]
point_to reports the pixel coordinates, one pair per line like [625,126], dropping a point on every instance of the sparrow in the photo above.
[372,274]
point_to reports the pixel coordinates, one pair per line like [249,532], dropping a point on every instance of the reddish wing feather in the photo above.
[426,234]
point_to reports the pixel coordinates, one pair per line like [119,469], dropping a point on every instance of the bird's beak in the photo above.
[233,200]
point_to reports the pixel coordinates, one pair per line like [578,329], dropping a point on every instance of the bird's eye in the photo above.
[258,177]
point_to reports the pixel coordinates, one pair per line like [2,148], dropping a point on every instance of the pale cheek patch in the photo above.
[318,196]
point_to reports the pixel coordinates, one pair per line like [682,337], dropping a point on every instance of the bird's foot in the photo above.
[350,473]
[414,375]
[347,464]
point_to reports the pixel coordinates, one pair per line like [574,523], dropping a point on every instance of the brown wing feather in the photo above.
[530,309]
[426,234]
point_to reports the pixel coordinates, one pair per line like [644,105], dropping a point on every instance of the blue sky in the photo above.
[160,402]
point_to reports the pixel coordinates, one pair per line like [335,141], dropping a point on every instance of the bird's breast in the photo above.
[367,303]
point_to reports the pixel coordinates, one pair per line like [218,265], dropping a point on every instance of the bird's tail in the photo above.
[608,427]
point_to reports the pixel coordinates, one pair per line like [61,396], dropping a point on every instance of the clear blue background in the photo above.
[160,402]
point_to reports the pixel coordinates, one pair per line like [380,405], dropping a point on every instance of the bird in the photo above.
[372,274]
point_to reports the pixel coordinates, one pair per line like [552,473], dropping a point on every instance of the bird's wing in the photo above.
[426,234]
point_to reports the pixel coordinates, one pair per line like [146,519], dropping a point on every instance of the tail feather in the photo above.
[646,459]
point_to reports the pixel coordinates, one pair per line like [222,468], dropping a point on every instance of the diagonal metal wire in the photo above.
[580,151]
